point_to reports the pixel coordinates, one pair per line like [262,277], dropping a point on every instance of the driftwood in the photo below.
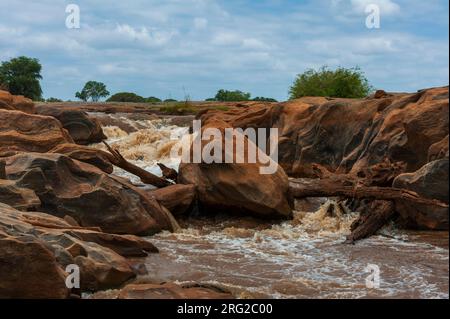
[375,216]
[377,212]
[301,188]
[146,177]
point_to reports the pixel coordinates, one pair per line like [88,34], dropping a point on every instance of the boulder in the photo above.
[173,291]
[29,270]
[238,188]
[430,181]
[18,197]
[82,191]
[83,129]
[21,132]
[16,102]
[39,246]
[178,199]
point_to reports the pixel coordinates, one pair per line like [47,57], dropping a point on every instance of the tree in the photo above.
[21,76]
[170,101]
[92,90]
[343,83]
[232,96]
[153,99]
[126,97]
[53,99]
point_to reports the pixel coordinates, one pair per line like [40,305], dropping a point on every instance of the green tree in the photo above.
[126,97]
[169,100]
[153,99]
[92,90]
[343,83]
[53,99]
[231,96]
[21,76]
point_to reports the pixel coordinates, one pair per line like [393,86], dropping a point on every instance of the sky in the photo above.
[175,48]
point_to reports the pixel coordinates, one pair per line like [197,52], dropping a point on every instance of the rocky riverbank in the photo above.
[62,202]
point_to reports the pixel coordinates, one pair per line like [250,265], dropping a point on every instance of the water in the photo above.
[302,258]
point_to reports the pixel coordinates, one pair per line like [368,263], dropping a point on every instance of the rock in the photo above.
[21,132]
[172,291]
[29,270]
[430,181]
[83,129]
[86,154]
[16,102]
[178,199]
[17,197]
[57,243]
[238,188]
[82,191]
[399,127]
[438,150]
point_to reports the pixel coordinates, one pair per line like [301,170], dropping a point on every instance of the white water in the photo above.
[302,258]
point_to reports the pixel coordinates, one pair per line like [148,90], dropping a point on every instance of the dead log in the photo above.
[301,188]
[372,219]
[146,177]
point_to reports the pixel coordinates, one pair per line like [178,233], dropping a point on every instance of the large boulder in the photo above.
[238,188]
[18,197]
[21,132]
[83,129]
[430,181]
[16,102]
[178,198]
[36,248]
[82,191]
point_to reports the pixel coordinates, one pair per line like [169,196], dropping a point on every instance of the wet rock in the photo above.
[172,291]
[430,181]
[178,199]
[82,191]
[83,129]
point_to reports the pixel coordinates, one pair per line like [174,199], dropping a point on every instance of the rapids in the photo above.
[302,258]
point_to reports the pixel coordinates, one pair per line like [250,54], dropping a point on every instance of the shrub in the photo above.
[126,97]
[343,83]
[264,99]
[52,100]
[231,96]
[153,99]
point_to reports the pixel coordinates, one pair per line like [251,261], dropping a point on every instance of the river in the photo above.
[302,258]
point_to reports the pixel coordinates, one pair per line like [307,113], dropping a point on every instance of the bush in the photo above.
[52,100]
[231,96]
[20,76]
[170,101]
[153,99]
[264,99]
[342,83]
[126,97]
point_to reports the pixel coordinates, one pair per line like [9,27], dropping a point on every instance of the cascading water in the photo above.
[302,258]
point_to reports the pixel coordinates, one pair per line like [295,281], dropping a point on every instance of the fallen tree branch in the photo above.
[301,188]
[146,177]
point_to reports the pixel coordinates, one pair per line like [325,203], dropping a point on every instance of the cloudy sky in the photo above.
[169,48]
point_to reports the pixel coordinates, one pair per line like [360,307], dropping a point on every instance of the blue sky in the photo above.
[175,47]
